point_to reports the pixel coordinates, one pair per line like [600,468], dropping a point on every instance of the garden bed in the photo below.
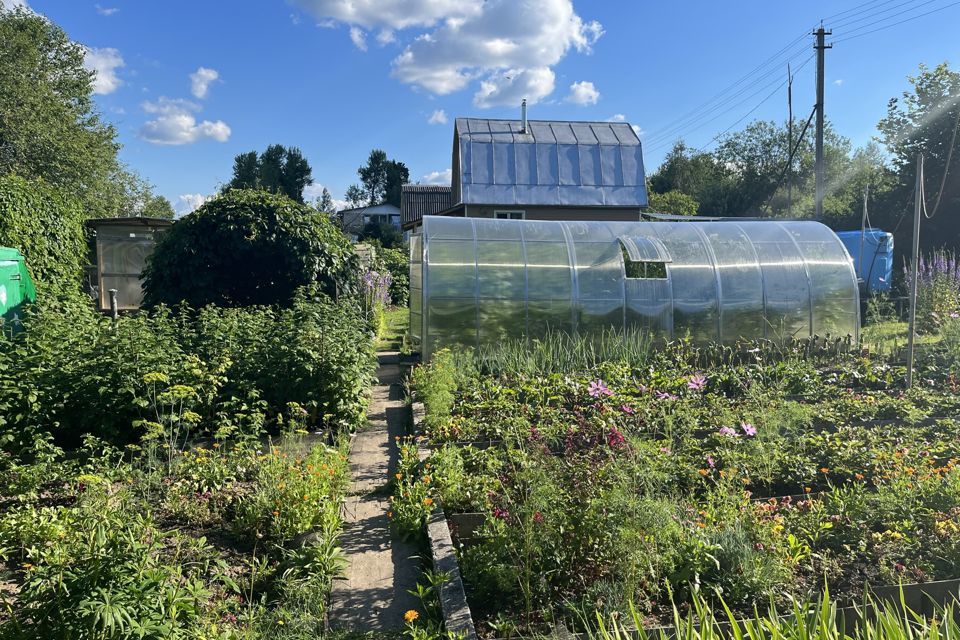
[648,482]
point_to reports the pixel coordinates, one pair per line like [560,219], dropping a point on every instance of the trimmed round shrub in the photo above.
[248,247]
[46,227]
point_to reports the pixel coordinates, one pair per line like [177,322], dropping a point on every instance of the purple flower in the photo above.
[665,450]
[642,388]
[727,431]
[597,388]
[500,514]
[627,409]
[663,395]
[955,315]
[748,429]
[696,382]
[711,462]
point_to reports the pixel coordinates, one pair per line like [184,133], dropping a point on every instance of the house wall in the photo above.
[560,213]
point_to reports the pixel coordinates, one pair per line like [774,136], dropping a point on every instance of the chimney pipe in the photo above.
[523,116]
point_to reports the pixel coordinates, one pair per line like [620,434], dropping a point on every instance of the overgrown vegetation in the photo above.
[47,227]
[249,247]
[755,473]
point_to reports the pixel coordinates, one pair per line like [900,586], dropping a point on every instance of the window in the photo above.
[644,257]
[509,215]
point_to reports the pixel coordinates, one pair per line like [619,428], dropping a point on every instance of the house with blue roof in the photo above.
[536,170]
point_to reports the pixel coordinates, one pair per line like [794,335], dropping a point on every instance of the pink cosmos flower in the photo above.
[711,462]
[663,395]
[727,431]
[597,388]
[748,429]
[696,382]
[627,409]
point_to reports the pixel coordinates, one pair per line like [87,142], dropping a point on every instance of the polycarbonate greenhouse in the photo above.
[477,281]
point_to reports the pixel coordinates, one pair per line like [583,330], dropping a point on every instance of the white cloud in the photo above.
[104,64]
[617,117]
[637,130]
[386,36]
[509,46]
[438,117]
[13,4]
[438,177]
[200,81]
[106,11]
[583,93]
[838,82]
[175,124]
[390,14]
[359,38]
[190,202]
[508,88]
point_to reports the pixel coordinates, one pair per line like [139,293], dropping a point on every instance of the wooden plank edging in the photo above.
[457,618]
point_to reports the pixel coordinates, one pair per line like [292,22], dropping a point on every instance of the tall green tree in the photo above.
[158,207]
[924,120]
[278,169]
[49,125]
[325,203]
[383,179]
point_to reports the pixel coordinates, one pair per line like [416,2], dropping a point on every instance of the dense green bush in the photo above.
[248,248]
[74,371]
[46,226]
[396,262]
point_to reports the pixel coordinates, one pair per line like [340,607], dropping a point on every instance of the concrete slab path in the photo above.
[381,568]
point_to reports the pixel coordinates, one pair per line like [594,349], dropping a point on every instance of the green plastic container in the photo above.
[16,286]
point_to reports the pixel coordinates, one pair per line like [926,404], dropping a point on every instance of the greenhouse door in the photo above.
[647,299]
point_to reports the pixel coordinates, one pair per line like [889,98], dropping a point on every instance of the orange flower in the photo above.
[389,514]
[858,476]
[398,476]
[824,470]
[305,497]
[276,513]
[806,489]
[410,616]
[426,479]
[703,472]
[428,501]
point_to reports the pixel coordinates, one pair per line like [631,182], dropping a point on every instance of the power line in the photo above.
[706,105]
[854,34]
[758,105]
[849,21]
[865,4]
[692,124]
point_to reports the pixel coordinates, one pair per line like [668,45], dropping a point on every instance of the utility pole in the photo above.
[789,142]
[821,48]
[914,266]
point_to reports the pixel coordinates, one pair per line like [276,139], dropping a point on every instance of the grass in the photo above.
[394,333]
[891,335]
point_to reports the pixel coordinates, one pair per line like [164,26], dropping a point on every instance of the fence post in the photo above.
[114,310]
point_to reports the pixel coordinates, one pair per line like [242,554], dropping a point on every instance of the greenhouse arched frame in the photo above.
[477,281]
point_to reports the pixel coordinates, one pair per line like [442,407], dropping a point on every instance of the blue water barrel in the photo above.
[875,267]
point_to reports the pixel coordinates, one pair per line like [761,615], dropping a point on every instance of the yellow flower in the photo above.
[410,616]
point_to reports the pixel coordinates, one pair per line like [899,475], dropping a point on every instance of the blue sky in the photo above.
[191,84]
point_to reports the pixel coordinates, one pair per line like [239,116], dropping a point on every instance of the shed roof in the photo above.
[551,163]
[128,221]
[418,200]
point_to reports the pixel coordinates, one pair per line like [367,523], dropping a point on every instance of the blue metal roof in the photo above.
[580,164]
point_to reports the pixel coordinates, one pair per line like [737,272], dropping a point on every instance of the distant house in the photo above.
[354,220]
[536,170]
